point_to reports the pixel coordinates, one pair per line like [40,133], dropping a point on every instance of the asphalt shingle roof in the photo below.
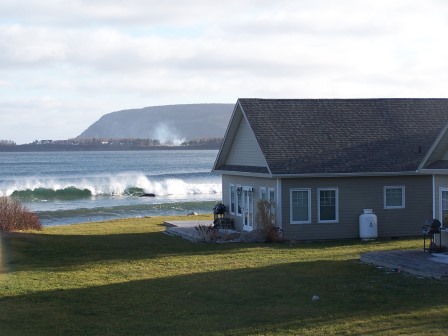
[320,136]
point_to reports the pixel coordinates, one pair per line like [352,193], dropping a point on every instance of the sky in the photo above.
[65,63]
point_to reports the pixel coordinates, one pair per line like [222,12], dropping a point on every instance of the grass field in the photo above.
[126,277]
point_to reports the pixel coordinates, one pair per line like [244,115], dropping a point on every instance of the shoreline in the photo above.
[96,148]
[162,219]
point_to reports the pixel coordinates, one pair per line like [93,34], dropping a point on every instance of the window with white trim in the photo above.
[394,197]
[300,206]
[232,199]
[328,205]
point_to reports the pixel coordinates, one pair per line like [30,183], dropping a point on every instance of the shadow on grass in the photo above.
[49,252]
[28,251]
[59,252]
[274,299]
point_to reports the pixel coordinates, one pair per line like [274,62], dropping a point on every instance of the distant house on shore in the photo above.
[322,161]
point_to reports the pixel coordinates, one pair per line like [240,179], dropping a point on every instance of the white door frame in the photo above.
[441,190]
[248,208]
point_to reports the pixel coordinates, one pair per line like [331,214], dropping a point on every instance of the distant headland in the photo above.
[184,126]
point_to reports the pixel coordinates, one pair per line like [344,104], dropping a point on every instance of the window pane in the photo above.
[239,202]
[232,199]
[394,197]
[264,195]
[327,202]
[327,213]
[300,209]
[272,200]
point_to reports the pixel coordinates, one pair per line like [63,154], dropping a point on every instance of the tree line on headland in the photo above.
[7,143]
[109,144]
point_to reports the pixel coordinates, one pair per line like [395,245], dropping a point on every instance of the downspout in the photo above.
[433,197]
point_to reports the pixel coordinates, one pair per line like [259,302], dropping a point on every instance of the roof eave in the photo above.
[360,174]
[237,173]
[433,171]
[327,175]
[223,150]
[255,136]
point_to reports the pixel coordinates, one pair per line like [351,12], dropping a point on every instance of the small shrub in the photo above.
[15,217]
[207,233]
[266,222]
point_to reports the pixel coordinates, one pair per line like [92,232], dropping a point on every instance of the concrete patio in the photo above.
[185,229]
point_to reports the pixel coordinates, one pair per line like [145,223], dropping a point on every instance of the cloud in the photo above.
[76,60]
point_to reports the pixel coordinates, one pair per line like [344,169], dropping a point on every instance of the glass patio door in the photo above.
[248,209]
[444,207]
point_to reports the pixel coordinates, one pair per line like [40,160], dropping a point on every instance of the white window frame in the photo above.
[403,198]
[308,221]
[336,220]
[232,193]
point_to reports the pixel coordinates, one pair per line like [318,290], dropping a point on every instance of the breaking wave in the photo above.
[44,193]
[120,185]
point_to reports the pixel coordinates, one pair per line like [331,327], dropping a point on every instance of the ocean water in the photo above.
[75,187]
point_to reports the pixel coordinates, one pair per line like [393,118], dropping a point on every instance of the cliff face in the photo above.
[167,123]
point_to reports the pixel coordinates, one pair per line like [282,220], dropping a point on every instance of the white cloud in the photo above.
[76,60]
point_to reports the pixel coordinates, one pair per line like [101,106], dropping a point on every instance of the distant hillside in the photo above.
[170,123]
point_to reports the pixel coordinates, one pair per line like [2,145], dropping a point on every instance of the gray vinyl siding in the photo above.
[245,150]
[355,194]
[440,181]
[254,182]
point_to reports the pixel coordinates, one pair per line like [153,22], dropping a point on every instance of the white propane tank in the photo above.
[368,228]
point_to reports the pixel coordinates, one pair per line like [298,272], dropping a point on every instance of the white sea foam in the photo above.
[114,185]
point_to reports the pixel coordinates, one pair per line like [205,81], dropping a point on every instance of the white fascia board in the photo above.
[433,171]
[288,176]
[225,147]
[246,174]
[409,173]
[247,120]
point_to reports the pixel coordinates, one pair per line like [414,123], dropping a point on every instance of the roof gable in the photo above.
[245,149]
[240,150]
[344,136]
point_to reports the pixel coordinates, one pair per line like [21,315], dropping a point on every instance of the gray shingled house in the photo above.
[322,161]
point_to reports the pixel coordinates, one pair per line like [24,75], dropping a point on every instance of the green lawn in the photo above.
[126,277]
